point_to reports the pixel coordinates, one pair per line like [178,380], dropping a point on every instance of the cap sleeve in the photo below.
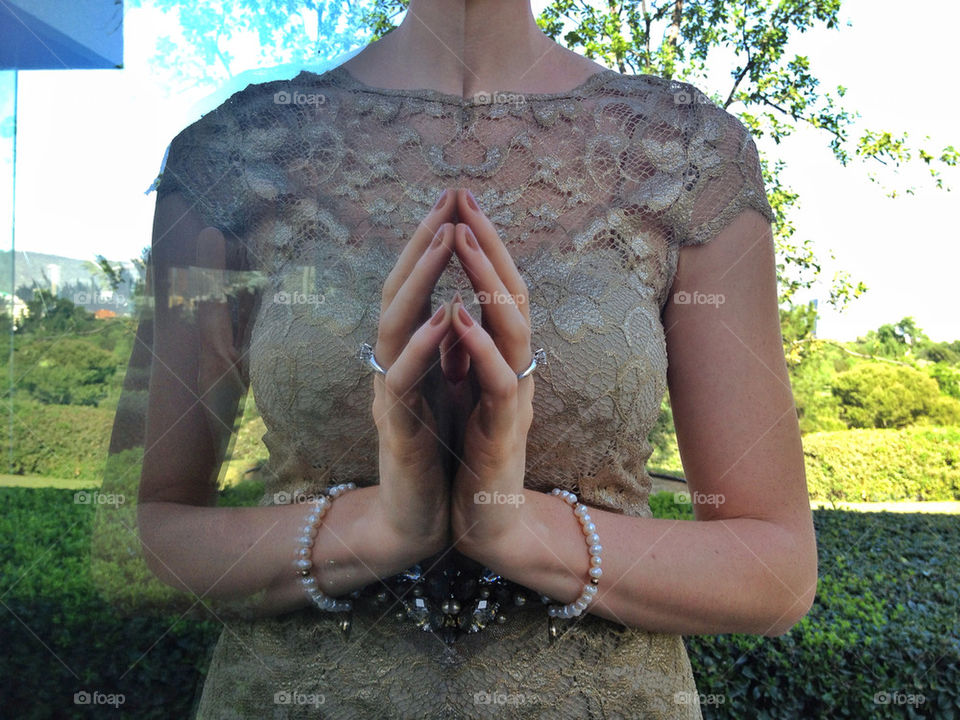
[220,165]
[722,173]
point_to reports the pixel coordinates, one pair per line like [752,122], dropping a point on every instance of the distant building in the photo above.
[19,306]
[104,314]
[53,272]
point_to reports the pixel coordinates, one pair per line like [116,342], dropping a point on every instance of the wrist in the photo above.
[496,530]
[414,531]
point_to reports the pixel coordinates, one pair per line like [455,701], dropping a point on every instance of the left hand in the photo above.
[487,495]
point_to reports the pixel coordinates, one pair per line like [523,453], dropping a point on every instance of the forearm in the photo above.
[740,575]
[232,553]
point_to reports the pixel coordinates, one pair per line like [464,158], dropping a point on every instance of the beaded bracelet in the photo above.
[596,549]
[303,561]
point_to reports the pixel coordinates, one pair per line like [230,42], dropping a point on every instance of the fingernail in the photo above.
[464,315]
[471,239]
[472,201]
[438,315]
[442,199]
[438,237]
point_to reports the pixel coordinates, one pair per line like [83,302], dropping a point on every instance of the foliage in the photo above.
[60,441]
[55,316]
[894,341]
[948,379]
[64,371]
[280,27]
[876,395]
[248,453]
[813,366]
[920,463]
[881,639]
[663,439]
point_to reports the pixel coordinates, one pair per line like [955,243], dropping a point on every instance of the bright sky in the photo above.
[91,142]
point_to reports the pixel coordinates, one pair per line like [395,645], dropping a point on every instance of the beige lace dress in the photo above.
[317,183]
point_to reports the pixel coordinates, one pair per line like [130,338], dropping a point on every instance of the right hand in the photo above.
[414,488]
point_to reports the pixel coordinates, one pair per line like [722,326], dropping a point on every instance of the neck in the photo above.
[467,46]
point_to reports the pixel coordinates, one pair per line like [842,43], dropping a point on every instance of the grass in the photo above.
[38,481]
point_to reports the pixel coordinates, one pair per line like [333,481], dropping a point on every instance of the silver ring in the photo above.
[366,356]
[539,356]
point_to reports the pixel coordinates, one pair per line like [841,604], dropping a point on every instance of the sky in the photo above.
[91,142]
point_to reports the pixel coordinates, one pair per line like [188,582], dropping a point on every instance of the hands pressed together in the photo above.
[466,417]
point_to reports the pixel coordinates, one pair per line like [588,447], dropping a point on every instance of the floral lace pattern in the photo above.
[318,182]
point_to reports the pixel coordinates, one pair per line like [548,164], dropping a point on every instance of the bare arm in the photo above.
[748,563]
[223,552]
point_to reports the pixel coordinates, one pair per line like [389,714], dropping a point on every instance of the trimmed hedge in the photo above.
[916,463]
[883,626]
[60,441]
[881,641]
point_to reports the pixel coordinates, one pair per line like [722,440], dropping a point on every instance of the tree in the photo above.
[895,341]
[281,28]
[55,315]
[875,395]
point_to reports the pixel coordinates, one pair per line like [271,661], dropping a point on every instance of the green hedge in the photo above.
[59,441]
[883,627]
[885,621]
[916,463]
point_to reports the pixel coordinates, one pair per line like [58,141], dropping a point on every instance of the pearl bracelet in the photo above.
[304,551]
[596,549]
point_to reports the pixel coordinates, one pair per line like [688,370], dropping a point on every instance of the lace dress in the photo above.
[317,183]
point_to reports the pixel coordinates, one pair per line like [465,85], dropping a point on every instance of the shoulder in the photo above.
[673,103]
[260,103]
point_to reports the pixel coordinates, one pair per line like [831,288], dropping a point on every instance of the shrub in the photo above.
[920,463]
[60,441]
[65,371]
[874,395]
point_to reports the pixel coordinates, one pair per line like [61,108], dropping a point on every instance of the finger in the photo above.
[489,239]
[498,382]
[502,319]
[443,211]
[404,379]
[404,313]
[454,359]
